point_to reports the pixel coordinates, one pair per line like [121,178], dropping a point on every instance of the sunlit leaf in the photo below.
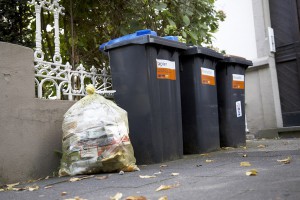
[285,161]
[136,198]
[63,193]
[163,198]
[175,174]
[166,187]
[252,172]
[117,196]
[209,161]
[146,176]
[261,146]
[245,164]
[33,188]
[101,177]
[245,155]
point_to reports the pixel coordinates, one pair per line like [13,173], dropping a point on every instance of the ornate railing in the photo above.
[55,80]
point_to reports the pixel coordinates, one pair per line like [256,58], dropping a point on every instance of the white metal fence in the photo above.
[55,80]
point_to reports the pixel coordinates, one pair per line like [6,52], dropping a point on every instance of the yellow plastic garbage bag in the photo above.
[95,137]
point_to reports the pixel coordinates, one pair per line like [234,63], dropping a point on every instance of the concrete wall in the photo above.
[263,108]
[30,128]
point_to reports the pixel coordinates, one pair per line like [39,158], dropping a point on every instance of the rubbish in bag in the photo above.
[95,137]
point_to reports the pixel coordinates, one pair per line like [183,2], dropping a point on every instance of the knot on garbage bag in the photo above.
[90,89]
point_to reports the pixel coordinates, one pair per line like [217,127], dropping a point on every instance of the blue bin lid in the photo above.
[147,39]
[127,37]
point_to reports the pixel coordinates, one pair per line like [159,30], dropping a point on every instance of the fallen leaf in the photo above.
[32,188]
[18,189]
[157,173]
[63,193]
[285,161]
[261,146]
[12,185]
[47,177]
[163,166]
[175,174]
[76,198]
[244,147]
[74,179]
[204,154]
[121,173]
[209,161]
[101,177]
[1,190]
[252,172]
[117,196]
[136,198]
[227,148]
[245,164]
[166,187]
[146,176]
[163,198]
[47,187]
[245,155]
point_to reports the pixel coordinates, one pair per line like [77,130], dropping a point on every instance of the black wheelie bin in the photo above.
[199,100]
[231,100]
[145,75]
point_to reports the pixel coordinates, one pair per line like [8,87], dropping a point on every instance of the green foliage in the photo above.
[97,21]
[15,17]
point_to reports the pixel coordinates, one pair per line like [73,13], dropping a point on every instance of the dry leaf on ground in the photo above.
[163,166]
[261,146]
[157,173]
[32,188]
[245,164]
[101,177]
[47,177]
[74,179]
[286,160]
[252,172]
[175,174]
[245,155]
[76,198]
[163,198]
[204,154]
[209,161]
[147,176]
[166,187]
[227,148]
[117,196]
[47,187]
[136,198]
[63,193]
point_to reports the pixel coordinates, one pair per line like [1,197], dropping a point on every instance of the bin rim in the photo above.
[198,50]
[237,60]
[147,39]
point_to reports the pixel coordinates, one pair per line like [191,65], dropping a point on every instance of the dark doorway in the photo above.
[285,22]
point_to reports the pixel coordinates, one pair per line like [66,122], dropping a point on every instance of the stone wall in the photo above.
[30,128]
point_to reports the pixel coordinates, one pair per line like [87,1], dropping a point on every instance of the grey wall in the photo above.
[262,95]
[30,128]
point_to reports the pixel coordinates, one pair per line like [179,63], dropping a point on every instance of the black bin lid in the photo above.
[197,50]
[148,39]
[237,60]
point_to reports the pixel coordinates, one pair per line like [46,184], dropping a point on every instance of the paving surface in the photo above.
[223,178]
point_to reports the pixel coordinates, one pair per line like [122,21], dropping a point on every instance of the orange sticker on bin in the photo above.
[238,81]
[166,69]
[207,76]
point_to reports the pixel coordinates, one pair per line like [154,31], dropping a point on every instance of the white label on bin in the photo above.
[208,76]
[166,69]
[238,105]
[238,81]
